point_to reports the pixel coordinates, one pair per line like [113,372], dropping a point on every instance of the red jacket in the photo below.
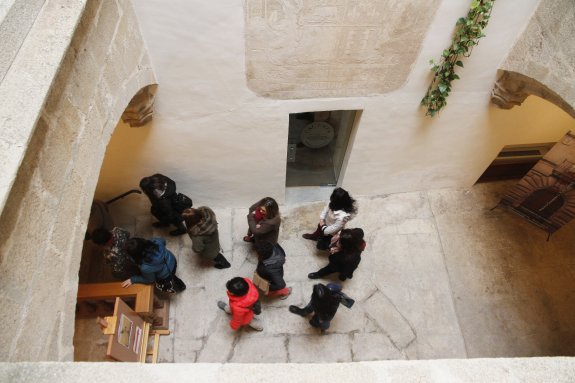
[241,307]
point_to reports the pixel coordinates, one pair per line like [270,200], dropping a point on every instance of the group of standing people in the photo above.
[139,260]
[345,247]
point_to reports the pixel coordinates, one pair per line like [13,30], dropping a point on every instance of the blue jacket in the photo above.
[157,264]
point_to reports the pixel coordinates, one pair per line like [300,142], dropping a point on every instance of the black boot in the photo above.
[220,262]
[314,275]
[296,310]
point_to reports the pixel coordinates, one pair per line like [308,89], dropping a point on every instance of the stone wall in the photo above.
[104,63]
[542,61]
[557,370]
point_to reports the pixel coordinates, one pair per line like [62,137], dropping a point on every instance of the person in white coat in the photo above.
[333,218]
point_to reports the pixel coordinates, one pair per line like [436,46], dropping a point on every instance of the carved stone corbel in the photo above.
[140,109]
[512,88]
[507,93]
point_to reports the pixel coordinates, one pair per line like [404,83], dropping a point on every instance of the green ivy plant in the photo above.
[468,31]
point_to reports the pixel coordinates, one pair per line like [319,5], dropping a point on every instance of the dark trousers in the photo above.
[315,321]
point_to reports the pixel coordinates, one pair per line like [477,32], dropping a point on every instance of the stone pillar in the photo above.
[140,109]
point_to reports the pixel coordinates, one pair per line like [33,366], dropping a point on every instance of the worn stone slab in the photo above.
[219,346]
[390,320]
[374,347]
[196,313]
[333,348]
[261,349]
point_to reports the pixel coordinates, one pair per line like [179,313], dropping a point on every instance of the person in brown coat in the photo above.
[264,221]
[203,231]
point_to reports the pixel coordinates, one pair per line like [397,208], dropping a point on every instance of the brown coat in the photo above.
[268,230]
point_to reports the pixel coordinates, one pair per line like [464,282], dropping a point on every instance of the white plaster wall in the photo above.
[225,146]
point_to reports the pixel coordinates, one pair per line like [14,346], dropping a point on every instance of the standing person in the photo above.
[323,304]
[157,264]
[271,267]
[244,303]
[167,205]
[203,231]
[264,221]
[114,253]
[340,210]
[346,255]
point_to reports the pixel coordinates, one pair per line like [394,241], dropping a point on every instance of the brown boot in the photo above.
[315,235]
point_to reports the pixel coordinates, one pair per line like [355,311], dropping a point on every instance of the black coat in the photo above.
[324,302]
[272,269]
[163,208]
[342,263]
[345,263]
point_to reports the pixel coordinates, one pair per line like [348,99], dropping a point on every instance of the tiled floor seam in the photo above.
[447,273]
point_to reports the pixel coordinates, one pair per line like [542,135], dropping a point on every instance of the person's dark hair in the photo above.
[237,286]
[136,248]
[271,206]
[341,200]
[151,183]
[264,249]
[101,236]
[357,233]
[192,217]
[351,240]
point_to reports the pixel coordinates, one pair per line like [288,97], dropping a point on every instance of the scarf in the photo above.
[207,226]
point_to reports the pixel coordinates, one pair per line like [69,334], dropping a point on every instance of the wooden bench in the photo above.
[143,294]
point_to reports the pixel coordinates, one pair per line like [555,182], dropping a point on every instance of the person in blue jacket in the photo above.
[157,264]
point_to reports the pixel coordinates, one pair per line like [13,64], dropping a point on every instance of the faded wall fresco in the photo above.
[332,48]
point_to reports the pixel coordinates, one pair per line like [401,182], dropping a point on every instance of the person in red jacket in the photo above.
[244,303]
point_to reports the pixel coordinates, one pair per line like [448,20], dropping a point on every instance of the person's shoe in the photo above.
[313,275]
[177,232]
[160,224]
[256,324]
[220,262]
[313,236]
[296,310]
[249,238]
[282,297]
[224,306]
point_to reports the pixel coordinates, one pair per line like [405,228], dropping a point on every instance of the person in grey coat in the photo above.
[203,231]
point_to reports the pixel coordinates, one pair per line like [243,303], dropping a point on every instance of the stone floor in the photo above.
[443,276]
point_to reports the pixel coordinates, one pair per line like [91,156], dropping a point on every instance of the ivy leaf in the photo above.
[459,63]
[442,88]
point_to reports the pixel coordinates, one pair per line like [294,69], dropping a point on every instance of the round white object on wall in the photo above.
[317,134]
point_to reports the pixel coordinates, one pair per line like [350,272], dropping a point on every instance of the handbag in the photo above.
[181,202]
[261,283]
[346,300]
[171,285]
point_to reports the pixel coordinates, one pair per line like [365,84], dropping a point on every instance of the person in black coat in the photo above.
[271,267]
[345,257]
[161,191]
[324,303]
